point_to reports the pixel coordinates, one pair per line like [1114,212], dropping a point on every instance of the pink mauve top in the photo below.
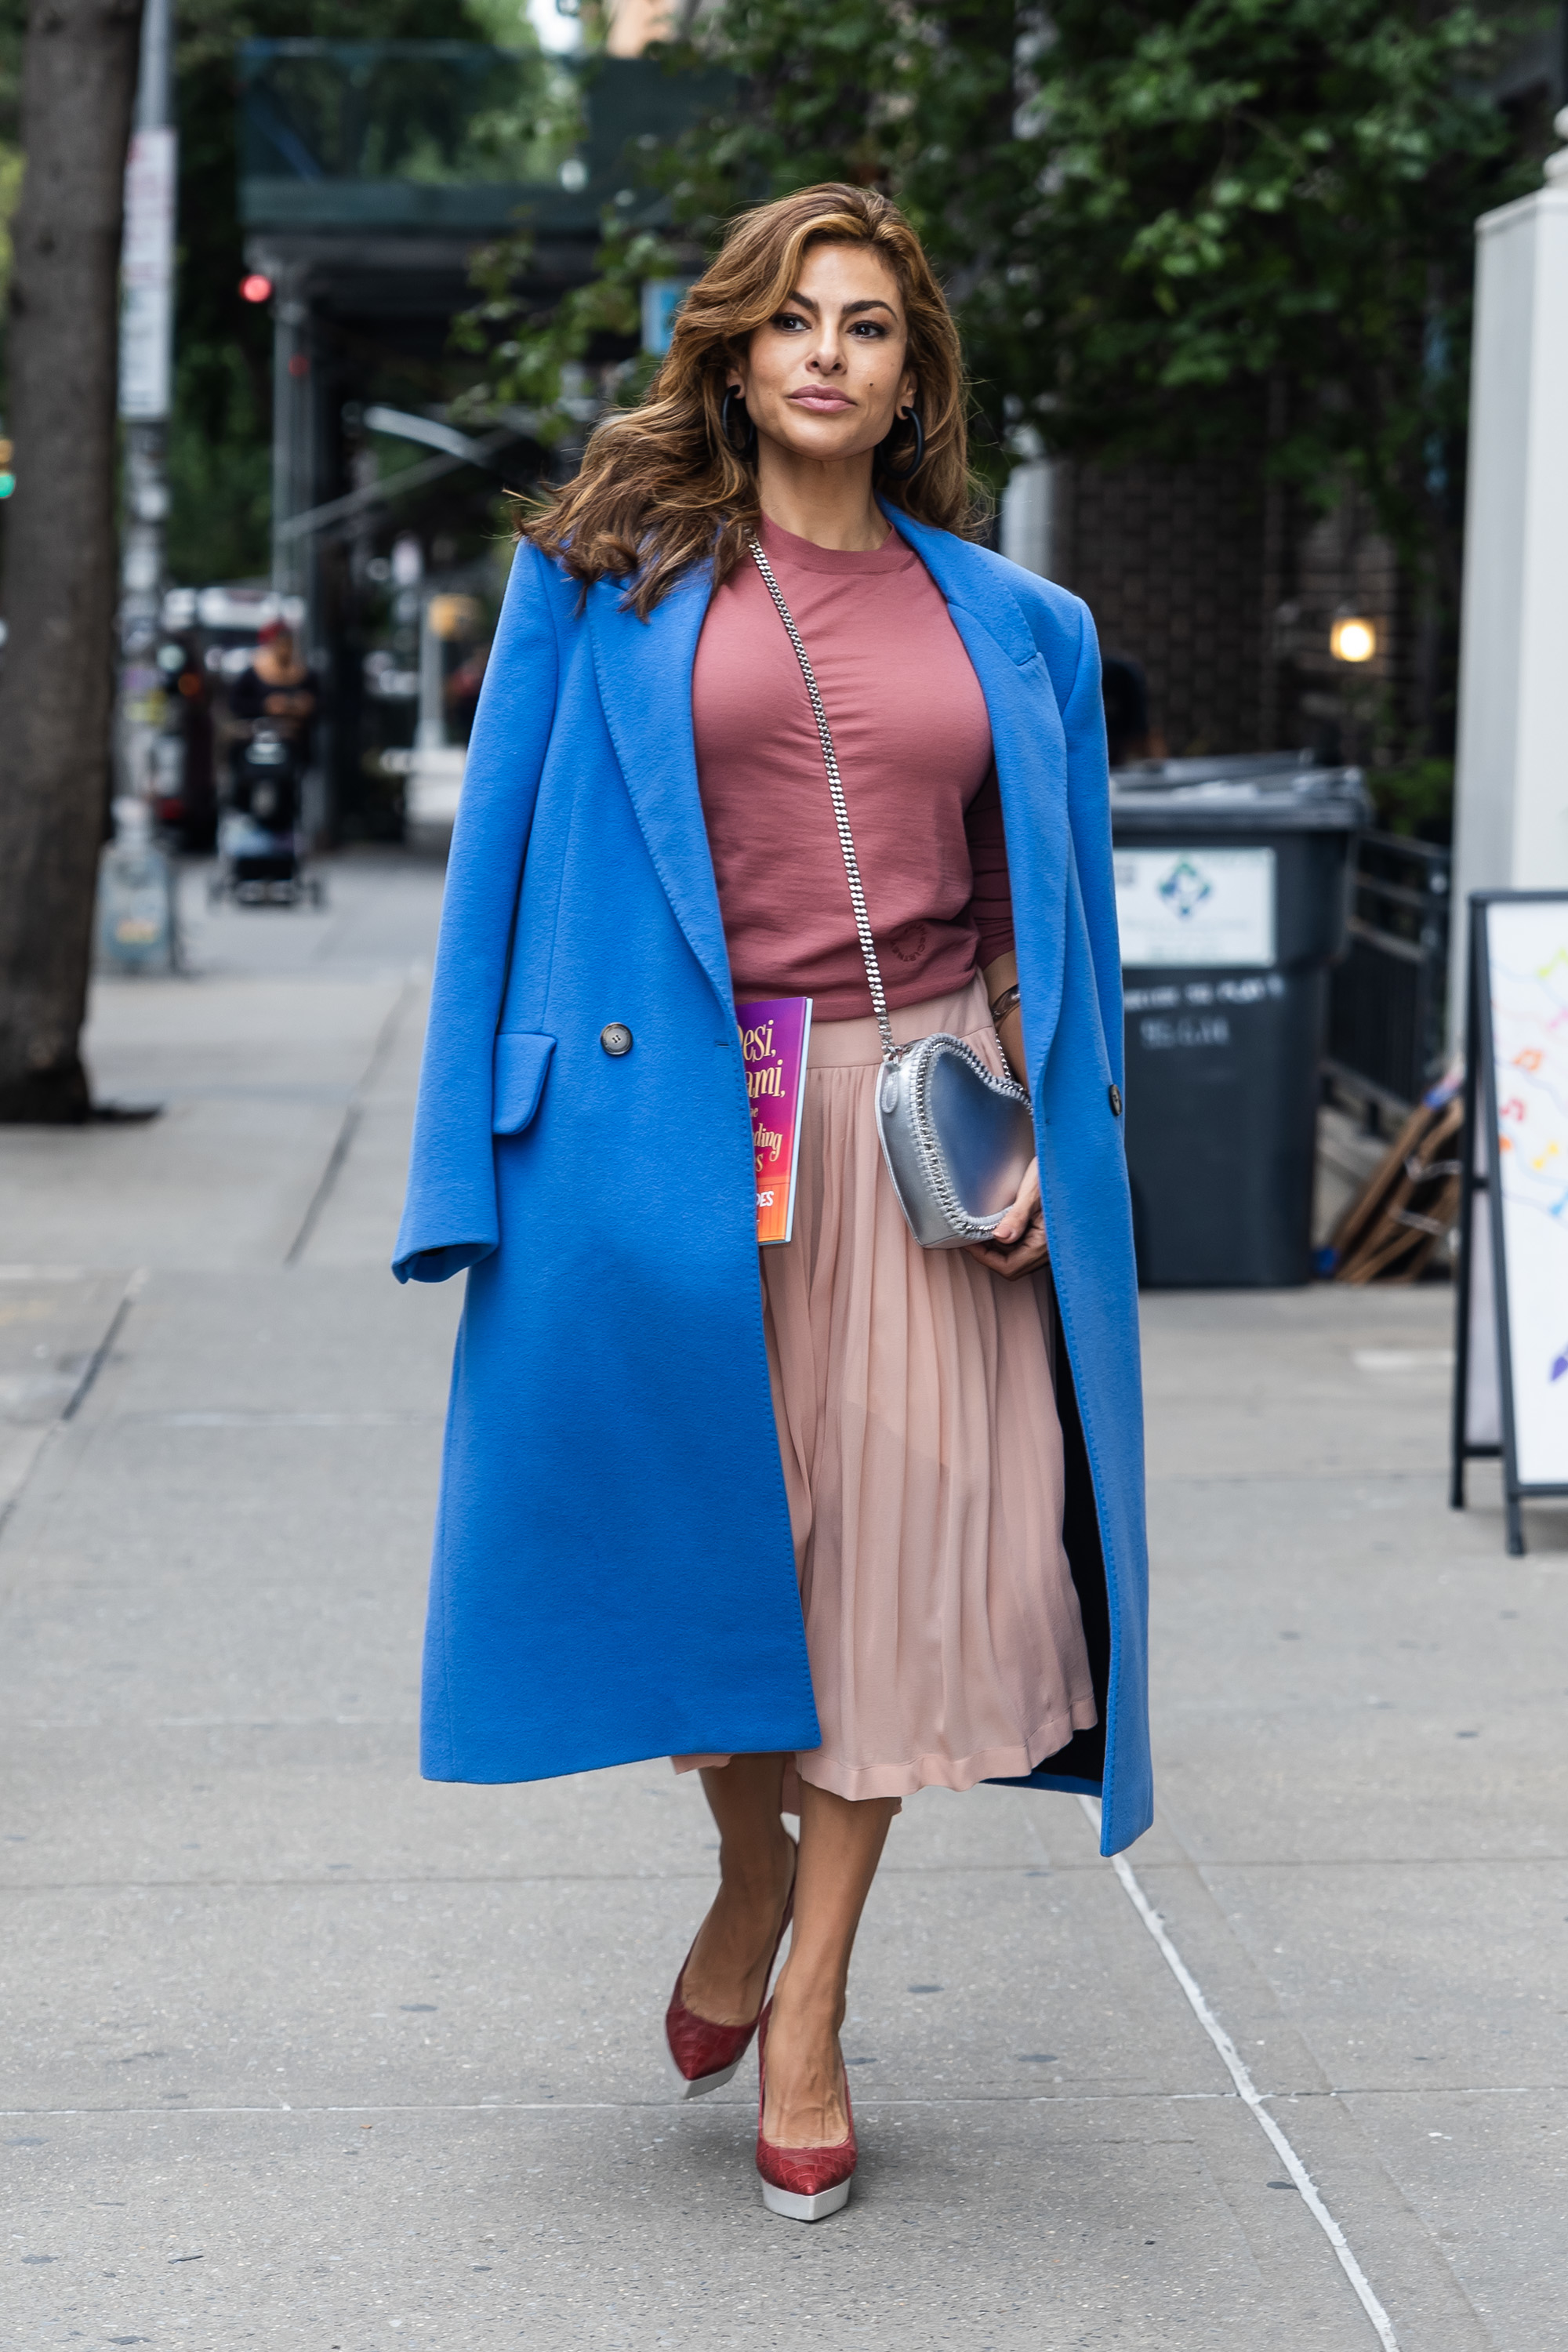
[914,740]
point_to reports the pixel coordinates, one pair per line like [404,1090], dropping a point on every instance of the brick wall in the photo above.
[1339,563]
[1173,563]
[1225,597]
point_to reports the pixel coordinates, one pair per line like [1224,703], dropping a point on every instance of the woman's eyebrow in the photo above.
[868,302]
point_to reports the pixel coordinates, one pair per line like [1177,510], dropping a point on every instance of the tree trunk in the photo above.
[78,80]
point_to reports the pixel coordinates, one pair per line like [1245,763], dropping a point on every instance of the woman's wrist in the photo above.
[999,979]
[1010,1038]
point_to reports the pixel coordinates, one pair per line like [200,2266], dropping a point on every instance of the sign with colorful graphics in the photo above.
[1515,1252]
[774,1034]
[1527,972]
[1208,906]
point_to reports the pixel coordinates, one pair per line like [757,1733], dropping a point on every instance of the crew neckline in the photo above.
[803,554]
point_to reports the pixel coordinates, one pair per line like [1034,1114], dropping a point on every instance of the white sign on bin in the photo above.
[1213,908]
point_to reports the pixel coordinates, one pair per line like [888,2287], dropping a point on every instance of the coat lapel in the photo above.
[1031,763]
[644,672]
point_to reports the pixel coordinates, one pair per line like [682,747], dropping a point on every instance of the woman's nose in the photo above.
[827,358]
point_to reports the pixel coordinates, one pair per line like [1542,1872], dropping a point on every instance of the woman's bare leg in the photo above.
[726,1977]
[841,1845]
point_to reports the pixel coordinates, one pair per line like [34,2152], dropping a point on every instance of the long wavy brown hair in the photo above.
[661,487]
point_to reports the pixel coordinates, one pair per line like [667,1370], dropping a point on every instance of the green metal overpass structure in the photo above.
[370,173]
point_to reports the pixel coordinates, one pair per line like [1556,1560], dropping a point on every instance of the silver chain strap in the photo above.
[890,1051]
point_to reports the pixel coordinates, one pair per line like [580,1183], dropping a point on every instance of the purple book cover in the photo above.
[774,1031]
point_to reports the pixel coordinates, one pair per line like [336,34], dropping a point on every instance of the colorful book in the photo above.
[774,1031]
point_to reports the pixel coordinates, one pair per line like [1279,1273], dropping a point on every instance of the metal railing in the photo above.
[1386,1000]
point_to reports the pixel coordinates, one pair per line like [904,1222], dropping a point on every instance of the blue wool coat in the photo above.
[613,1576]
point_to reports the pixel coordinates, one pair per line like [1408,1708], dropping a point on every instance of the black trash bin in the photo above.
[1231,891]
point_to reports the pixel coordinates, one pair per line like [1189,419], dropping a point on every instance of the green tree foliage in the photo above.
[1165,227]
[1263,198]
[533,358]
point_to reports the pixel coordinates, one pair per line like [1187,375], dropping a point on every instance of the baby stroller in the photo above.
[262,852]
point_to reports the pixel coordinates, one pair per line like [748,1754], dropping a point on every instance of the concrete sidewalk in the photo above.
[303,2053]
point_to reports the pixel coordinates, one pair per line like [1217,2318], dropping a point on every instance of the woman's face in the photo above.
[825,377]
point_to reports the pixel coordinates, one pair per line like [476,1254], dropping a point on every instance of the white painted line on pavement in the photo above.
[1248,2089]
[1403,1359]
[660,2103]
[289,1420]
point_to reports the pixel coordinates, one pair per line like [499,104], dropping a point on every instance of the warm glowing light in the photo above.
[255,288]
[1351,640]
[453,616]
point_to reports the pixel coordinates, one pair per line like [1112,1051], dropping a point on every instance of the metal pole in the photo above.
[155,78]
[146,349]
[292,489]
[430,734]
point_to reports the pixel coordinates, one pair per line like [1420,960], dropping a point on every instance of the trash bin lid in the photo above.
[1224,763]
[1267,793]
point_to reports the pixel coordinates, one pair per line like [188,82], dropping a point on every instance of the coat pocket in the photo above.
[522,1059]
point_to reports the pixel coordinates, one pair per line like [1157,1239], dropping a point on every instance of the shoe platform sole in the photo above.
[686,2088]
[795,2208]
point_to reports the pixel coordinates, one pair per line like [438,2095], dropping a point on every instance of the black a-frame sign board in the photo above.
[1510,1374]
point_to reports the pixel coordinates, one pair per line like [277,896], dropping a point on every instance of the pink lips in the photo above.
[825,401]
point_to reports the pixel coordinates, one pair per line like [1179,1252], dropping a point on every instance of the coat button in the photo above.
[1115,1097]
[616,1039]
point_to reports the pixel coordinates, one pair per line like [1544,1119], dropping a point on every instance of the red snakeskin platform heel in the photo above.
[703,2056]
[803,2184]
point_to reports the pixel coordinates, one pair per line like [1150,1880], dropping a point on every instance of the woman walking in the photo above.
[868,1520]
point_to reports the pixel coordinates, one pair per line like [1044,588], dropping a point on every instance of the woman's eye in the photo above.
[870,328]
[787,319]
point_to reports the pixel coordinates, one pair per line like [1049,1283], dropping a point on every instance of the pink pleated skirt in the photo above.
[922,1461]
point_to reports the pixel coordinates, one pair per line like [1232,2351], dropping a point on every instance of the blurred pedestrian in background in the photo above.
[1125,690]
[874,1522]
[277,687]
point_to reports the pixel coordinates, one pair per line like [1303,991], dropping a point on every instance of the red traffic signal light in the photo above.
[255,288]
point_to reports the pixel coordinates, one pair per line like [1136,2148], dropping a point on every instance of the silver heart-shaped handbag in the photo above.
[956,1139]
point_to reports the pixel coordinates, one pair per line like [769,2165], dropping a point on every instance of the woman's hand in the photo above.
[1018,1245]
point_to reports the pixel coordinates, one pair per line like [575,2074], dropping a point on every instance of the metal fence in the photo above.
[1386,1003]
